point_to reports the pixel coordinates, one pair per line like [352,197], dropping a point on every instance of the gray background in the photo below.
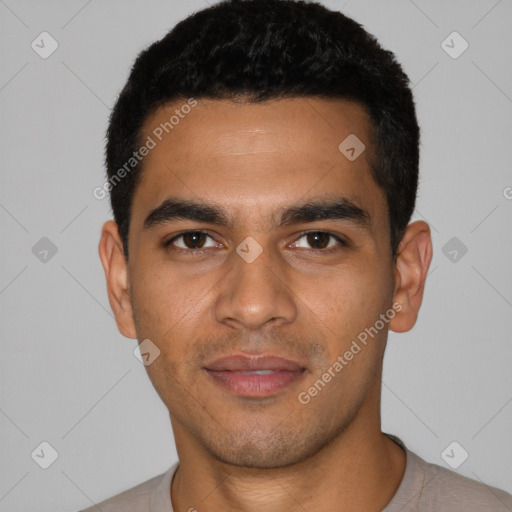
[70,379]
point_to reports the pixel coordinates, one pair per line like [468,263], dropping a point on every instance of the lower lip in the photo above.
[255,385]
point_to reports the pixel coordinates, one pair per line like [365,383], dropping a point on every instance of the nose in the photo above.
[255,293]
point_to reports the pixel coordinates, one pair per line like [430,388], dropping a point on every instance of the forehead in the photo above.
[249,156]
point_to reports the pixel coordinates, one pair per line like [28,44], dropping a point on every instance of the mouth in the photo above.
[254,376]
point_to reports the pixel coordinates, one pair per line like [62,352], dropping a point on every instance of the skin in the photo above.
[295,301]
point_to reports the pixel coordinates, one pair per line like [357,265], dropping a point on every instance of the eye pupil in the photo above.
[313,239]
[192,237]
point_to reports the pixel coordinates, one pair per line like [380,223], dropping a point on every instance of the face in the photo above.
[248,270]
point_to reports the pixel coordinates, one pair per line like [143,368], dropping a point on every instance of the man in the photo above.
[263,166]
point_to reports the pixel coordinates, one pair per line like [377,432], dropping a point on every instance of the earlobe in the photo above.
[411,268]
[114,264]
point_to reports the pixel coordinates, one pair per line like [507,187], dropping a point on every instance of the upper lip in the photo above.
[246,363]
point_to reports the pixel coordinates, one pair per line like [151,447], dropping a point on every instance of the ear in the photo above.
[411,268]
[116,274]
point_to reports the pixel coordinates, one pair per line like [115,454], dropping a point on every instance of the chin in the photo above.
[267,450]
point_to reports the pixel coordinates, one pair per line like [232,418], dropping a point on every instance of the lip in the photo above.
[237,374]
[247,363]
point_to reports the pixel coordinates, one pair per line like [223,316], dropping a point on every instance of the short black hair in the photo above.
[266,50]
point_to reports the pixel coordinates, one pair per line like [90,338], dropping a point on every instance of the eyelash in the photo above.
[169,242]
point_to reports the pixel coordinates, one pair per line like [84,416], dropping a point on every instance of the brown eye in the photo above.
[190,240]
[320,240]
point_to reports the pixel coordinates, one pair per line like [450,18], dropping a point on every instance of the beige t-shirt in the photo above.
[424,487]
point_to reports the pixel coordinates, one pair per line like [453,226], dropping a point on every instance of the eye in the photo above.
[190,241]
[321,241]
[197,241]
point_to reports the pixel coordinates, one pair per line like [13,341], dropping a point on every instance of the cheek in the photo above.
[169,305]
[346,303]
[350,291]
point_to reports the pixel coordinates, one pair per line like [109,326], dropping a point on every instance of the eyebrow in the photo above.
[339,208]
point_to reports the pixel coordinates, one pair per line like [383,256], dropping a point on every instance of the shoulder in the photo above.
[446,490]
[139,498]
[429,487]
